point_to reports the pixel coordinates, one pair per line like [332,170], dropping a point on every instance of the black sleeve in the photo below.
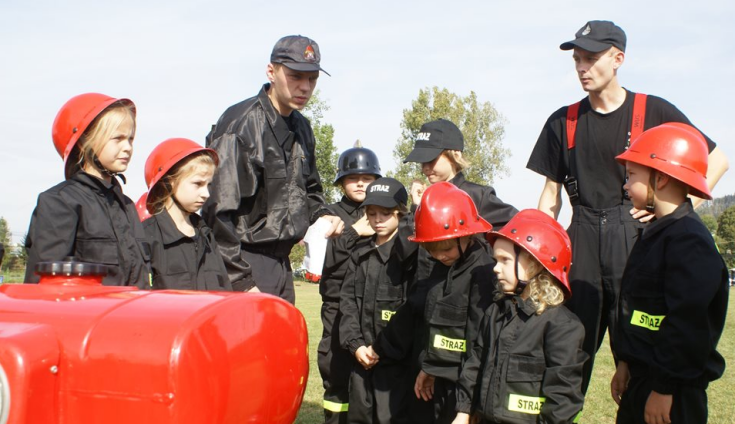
[236,178]
[660,111]
[494,210]
[547,158]
[338,252]
[467,382]
[350,333]
[562,381]
[396,339]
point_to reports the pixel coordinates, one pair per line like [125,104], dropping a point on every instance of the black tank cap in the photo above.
[70,267]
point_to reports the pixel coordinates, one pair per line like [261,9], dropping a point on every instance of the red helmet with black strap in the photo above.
[446,212]
[544,239]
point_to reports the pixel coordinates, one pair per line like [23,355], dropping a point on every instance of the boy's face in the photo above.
[354,186]
[290,90]
[440,169]
[383,221]
[448,256]
[637,184]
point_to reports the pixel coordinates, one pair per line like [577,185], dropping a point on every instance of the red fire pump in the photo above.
[74,351]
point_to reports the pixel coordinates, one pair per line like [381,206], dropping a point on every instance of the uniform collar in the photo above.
[660,224]
[276,121]
[458,179]
[349,206]
[170,232]
[100,186]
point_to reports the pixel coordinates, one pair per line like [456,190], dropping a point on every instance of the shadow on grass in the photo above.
[310,413]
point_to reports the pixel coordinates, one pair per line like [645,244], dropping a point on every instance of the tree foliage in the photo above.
[326,152]
[481,124]
[710,222]
[726,235]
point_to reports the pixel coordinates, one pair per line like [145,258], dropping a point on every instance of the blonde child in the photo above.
[527,363]
[87,216]
[184,253]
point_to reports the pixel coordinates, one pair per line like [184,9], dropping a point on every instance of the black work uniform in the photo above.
[265,194]
[93,221]
[181,262]
[334,362]
[602,230]
[673,307]
[489,206]
[438,325]
[525,368]
[376,286]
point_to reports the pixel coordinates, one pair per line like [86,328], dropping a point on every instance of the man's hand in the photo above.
[658,408]
[619,382]
[362,227]
[364,357]
[641,215]
[461,418]
[417,190]
[337,226]
[424,386]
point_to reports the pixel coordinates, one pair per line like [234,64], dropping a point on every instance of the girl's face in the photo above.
[118,149]
[383,221]
[505,268]
[637,184]
[354,186]
[449,255]
[192,190]
[440,169]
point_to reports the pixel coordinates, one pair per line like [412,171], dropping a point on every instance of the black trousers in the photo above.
[441,409]
[271,274]
[335,365]
[379,395]
[689,404]
[601,242]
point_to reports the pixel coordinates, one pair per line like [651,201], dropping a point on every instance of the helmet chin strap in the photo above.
[521,284]
[650,200]
[105,171]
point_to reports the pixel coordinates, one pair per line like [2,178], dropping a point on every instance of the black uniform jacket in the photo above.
[181,262]
[93,221]
[673,304]
[266,190]
[377,285]
[525,368]
[440,320]
[339,250]
[489,206]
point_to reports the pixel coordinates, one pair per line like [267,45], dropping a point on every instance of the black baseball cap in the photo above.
[386,192]
[433,138]
[597,36]
[298,53]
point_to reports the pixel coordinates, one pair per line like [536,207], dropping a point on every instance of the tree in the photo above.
[6,242]
[481,124]
[710,222]
[326,152]
[726,233]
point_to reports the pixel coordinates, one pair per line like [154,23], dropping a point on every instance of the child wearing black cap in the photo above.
[375,286]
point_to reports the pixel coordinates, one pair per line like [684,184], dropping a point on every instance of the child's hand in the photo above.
[254,289]
[424,387]
[337,226]
[362,227]
[658,408]
[371,353]
[619,382]
[461,418]
[363,356]
[641,215]
[417,190]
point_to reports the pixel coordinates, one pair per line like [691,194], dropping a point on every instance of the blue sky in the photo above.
[183,63]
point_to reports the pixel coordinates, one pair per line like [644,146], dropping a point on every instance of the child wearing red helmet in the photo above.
[184,253]
[87,216]
[674,294]
[527,363]
[438,325]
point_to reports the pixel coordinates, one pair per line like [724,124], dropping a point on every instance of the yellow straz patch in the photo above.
[386,315]
[525,404]
[456,345]
[650,322]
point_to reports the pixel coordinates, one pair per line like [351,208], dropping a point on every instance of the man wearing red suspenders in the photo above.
[577,149]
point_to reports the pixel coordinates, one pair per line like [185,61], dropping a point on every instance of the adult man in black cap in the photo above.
[577,149]
[266,191]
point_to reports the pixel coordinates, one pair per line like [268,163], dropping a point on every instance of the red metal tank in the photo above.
[74,351]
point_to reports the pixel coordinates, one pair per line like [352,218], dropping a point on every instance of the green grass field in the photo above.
[599,406]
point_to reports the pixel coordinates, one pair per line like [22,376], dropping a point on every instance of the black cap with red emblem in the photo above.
[298,53]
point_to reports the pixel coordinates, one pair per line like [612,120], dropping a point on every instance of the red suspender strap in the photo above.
[639,116]
[572,115]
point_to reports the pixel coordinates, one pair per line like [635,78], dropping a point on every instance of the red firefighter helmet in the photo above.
[75,116]
[542,237]
[446,212]
[676,149]
[142,207]
[169,153]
